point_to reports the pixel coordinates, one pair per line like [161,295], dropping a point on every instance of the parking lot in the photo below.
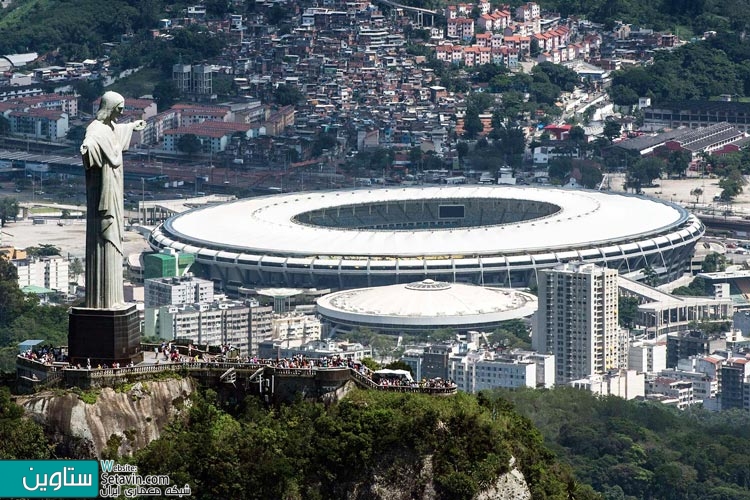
[69,237]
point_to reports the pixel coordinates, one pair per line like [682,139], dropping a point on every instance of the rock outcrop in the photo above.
[414,479]
[125,420]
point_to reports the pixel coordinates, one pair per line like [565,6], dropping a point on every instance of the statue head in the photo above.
[109,103]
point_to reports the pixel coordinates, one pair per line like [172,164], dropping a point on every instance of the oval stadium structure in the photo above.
[488,235]
[423,306]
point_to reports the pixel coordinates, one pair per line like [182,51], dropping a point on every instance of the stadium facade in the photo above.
[486,235]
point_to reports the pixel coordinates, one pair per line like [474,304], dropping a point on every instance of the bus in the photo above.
[459,179]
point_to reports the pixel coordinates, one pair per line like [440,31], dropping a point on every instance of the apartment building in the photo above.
[172,291]
[175,291]
[626,384]
[676,392]
[475,371]
[243,325]
[648,356]
[46,272]
[734,391]
[577,321]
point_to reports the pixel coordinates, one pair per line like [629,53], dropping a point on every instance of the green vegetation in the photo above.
[514,333]
[20,438]
[43,250]
[89,396]
[627,311]
[643,172]
[306,450]
[714,262]
[140,83]
[285,95]
[189,144]
[560,170]
[629,450]
[22,317]
[685,73]
[77,29]
[8,210]
[696,288]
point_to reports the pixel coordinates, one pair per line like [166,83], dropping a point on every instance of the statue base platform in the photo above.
[104,336]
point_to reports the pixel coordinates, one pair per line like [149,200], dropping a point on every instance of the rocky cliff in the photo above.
[416,481]
[124,420]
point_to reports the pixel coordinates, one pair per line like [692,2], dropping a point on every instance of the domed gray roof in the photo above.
[428,303]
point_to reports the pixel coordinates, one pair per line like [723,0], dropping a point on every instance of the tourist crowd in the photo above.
[170,353]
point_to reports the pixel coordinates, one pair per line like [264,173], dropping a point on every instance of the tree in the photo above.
[43,250]
[534,48]
[705,161]
[696,288]
[324,141]
[612,129]
[697,192]
[189,144]
[371,364]
[643,172]
[4,126]
[216,8]
[276,14]
[399,365]
[714,262]
[165,94]
[443,334]
[650,277]
[510,142]
[12,300]
[678,162]
[20,438]
[730,188]
[462,148]
[627,311]
[286,95]
[481,101]
[623,96]
[577,135]
[76,134]
[512,334]
[591,175]
[559,169]
[415,158]
[472,124]
[88,91]
[561,76]
[75,268]
[8,210]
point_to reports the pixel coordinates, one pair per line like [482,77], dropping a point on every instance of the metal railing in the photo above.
[361,375]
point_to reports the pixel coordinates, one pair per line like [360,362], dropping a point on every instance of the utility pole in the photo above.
[143,201]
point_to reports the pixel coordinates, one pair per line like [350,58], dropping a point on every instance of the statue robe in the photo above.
[102,158]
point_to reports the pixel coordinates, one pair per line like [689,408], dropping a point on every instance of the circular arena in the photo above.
[489,235]
[424,306]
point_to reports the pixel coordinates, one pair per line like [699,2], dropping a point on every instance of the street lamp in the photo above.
[143,201]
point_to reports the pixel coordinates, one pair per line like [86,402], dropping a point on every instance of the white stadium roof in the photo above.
[267,225]
[427,303]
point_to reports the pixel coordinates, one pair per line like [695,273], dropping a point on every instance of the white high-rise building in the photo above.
[177,291]
[174,291]
[648,356]
[47,272]
[240,324]
[577,321]
[475,371]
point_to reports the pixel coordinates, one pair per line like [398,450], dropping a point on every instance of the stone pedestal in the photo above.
[104,336]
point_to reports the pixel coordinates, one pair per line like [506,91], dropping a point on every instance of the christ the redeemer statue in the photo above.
[101,150]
